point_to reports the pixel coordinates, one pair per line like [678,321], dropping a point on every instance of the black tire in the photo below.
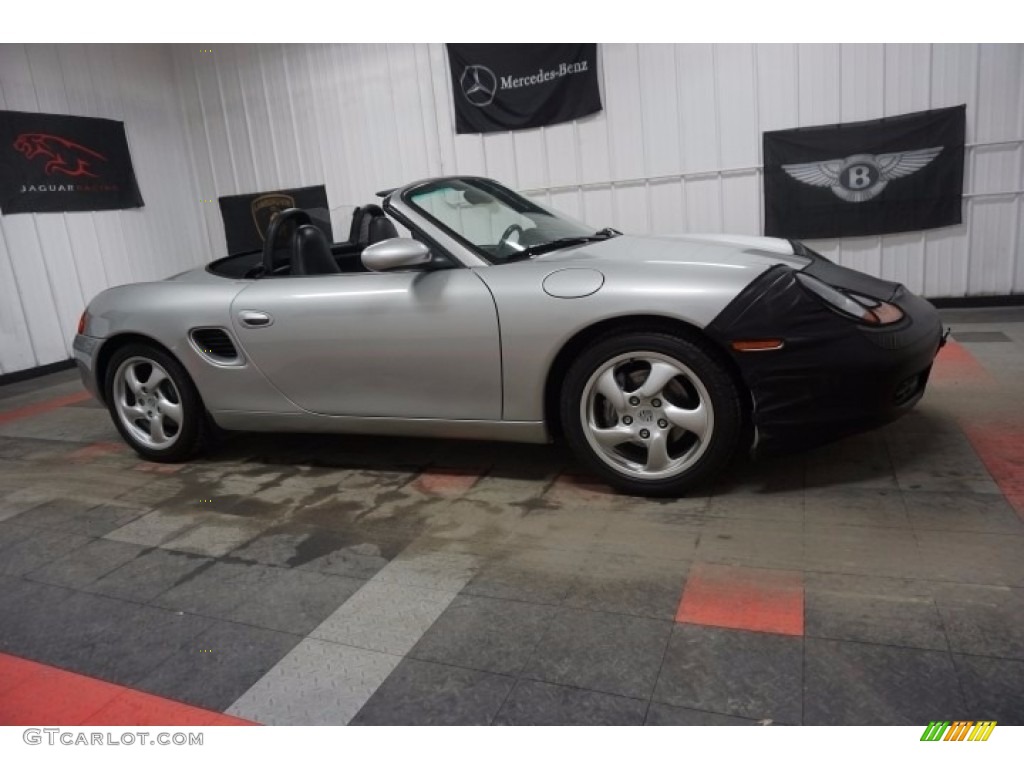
[193,430]
[709,457]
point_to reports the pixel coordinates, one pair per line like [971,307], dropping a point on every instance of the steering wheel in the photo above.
[503,241]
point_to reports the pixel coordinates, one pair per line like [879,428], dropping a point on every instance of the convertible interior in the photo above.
[297,246]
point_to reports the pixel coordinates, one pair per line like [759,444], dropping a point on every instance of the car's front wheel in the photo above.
[154,404]
[651,413]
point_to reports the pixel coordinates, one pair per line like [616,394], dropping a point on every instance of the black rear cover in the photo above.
[895,174]
[505,87]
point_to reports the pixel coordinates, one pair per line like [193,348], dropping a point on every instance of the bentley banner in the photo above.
[505,87]
[246,217]
[894,174]
[53,163]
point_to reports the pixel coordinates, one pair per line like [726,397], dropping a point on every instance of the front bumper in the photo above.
[86,350]
[833,376]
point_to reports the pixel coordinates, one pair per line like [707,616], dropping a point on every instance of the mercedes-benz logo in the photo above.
[478,85]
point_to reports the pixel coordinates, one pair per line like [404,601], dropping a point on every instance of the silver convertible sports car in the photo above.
[656,359]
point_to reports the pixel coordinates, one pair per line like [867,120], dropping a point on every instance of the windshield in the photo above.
[498,223]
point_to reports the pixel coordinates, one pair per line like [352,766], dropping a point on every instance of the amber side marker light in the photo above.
[758,345]
[81,323]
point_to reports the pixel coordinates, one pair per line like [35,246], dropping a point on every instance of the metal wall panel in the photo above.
[659,116]
[992,242]
[736,97]
[666,206]
[778,102]
[697,113]
[52,264]
[862,91]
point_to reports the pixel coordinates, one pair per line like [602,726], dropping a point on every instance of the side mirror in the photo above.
[395,253]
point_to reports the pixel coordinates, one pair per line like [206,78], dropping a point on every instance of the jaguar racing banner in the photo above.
[246,217]
[54,163]
[505,87]
[894,174]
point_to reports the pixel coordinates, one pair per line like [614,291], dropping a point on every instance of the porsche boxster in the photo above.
[657,359]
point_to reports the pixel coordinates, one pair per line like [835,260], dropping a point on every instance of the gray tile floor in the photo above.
[313,579]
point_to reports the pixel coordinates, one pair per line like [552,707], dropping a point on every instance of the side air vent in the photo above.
[216,345]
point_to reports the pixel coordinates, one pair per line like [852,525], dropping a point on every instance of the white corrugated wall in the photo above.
[677,148]
[51,264]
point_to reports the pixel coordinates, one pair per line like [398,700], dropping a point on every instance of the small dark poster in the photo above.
[246,217]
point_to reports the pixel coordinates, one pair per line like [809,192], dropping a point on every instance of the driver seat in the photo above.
[370,225]
[381,228]
[311,253]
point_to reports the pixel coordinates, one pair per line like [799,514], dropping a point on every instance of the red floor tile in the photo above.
[447,482]
[14,671]
[1017,502]
[37,694]
[137,708]
[158,469]
[96,450]
[999,444]
[579,489]
[1001,449]
[957,366]
[55,697]
[756,599]
[45,406]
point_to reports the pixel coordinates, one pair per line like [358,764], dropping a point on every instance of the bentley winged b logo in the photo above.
[479,84]
[859,178]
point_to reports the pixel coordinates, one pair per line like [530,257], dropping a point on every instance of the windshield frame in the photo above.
[504,195]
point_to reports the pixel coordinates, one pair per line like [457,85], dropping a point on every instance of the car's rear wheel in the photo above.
[651,413]
[154,404]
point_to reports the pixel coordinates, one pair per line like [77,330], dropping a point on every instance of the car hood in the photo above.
[726,251]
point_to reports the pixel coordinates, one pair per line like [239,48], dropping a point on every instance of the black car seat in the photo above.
[370,225]
[311,253]
[356,229]
[381,228]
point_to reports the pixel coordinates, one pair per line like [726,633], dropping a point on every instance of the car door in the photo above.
[416,344]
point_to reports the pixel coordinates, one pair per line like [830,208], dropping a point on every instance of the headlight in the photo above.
[863,308]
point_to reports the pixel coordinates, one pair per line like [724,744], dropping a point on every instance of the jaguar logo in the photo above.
[479,84]
[62,155]
[859,178]
[265,209]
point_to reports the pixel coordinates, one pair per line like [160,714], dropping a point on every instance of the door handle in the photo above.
[253,319]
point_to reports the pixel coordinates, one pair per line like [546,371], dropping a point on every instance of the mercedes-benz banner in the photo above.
[506,87]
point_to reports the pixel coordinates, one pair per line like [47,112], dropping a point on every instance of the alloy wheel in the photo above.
[148,403]
[647,415]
